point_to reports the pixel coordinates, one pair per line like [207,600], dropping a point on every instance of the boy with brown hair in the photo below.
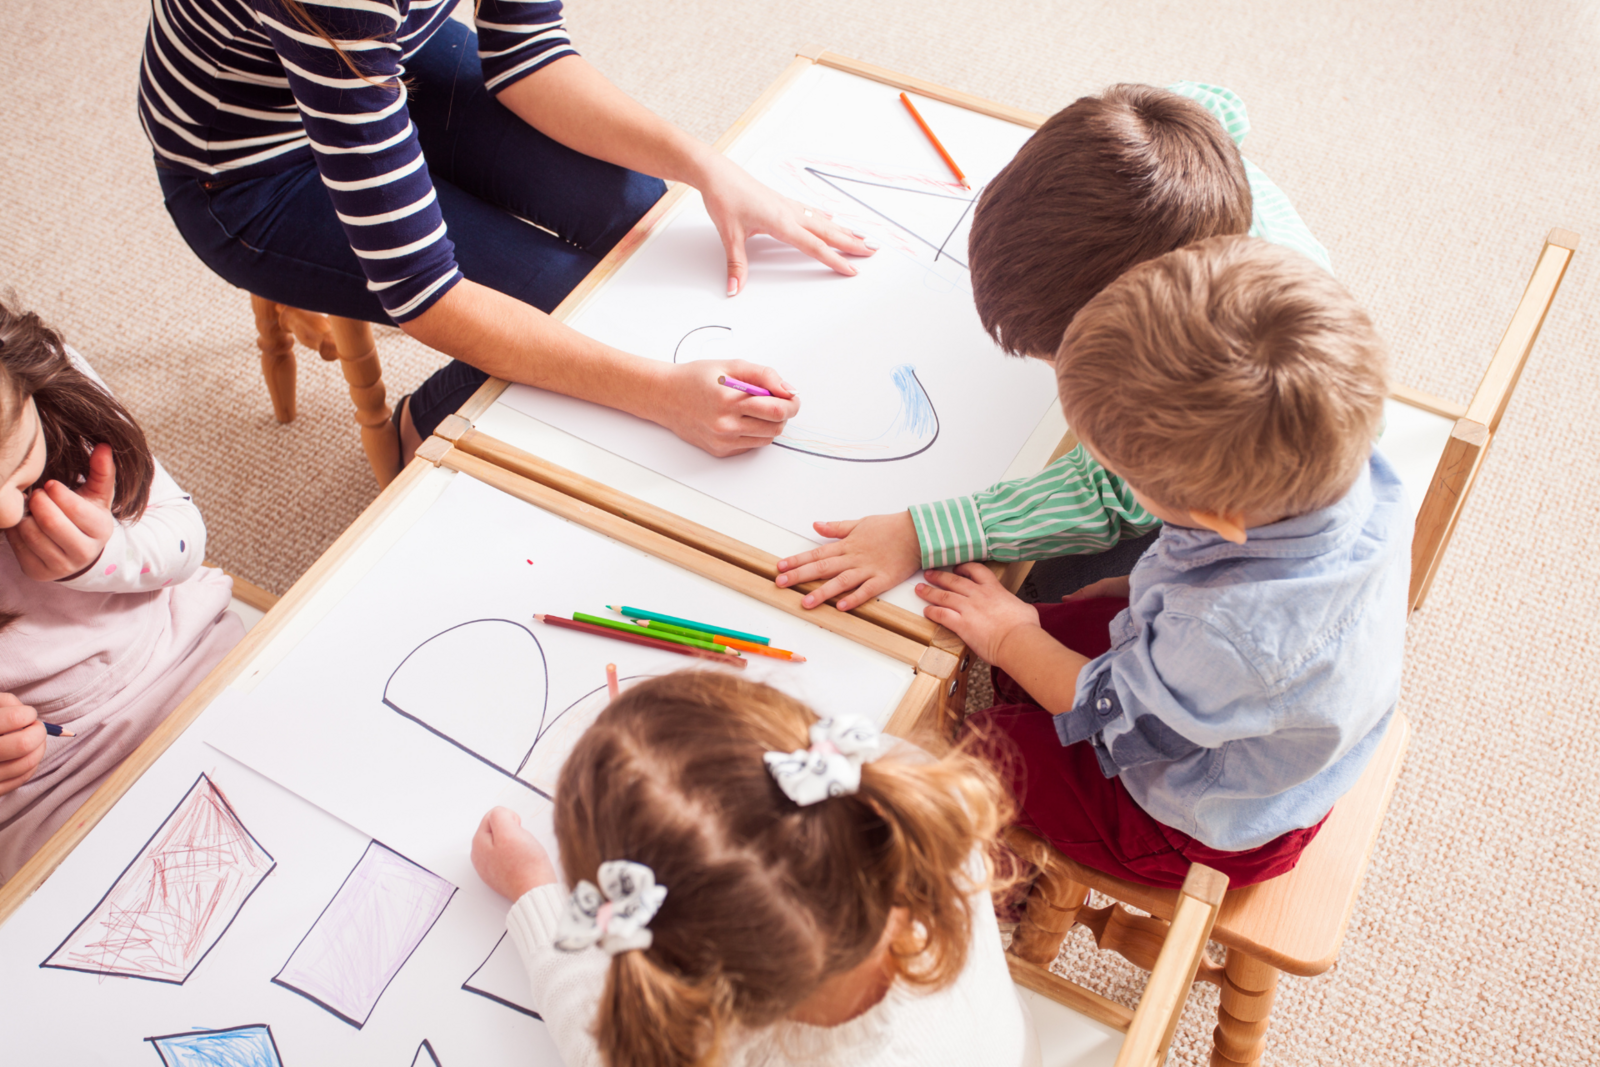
[1108,182]
[1252,659]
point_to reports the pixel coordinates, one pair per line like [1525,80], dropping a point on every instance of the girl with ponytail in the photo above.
[755,885]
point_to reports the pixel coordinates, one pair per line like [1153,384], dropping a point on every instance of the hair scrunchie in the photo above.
[831,767]
[615,915]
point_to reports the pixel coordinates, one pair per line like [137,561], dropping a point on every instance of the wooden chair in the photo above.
[350,342]
[1295,923]
[1080,1028]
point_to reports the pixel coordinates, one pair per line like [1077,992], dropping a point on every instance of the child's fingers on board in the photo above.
[816,570]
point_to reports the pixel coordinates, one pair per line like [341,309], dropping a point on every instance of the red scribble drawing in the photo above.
[171,905]
[369,929]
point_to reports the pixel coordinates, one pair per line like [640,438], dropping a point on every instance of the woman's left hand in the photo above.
[742,207]
[67,529]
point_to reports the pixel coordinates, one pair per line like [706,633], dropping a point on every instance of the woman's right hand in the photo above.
[21,742]
[721,420]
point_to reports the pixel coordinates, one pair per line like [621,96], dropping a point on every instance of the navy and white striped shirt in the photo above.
[241,87]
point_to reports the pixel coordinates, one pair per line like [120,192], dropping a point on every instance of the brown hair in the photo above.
[297,11]
[75,412]
[766,899]
[1108,182]
[1231,375]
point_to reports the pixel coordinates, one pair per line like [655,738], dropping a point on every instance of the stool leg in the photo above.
[277,357]
[1248,990]
[358,357]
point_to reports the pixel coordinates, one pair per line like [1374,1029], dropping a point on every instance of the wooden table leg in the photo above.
[1248,990]
[277,357]
[358,357]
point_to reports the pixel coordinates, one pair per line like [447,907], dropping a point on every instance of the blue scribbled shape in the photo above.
[241,1046]
[913,429]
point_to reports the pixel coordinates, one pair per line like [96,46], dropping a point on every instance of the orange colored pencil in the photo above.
[728,642]
[962,178]
[611,680]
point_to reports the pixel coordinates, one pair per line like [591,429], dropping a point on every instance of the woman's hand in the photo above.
[875,554]
[66,530]
[972,603]
[21,742]
[508,858]
[742,207]
[722,420]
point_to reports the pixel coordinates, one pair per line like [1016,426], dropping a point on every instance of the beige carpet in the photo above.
[1430,145]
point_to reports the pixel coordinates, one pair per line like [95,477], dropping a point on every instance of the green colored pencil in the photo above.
[630,628]
[703,627]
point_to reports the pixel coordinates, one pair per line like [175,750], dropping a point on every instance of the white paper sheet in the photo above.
[904,399]
[483,702]
[230,990]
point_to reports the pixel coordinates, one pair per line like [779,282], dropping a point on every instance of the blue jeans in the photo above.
[277,236]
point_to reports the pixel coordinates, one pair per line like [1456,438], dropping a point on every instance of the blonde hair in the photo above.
[766,899]
[1232,375]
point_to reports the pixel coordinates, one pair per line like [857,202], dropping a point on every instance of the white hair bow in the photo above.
[616,916]
[831,767]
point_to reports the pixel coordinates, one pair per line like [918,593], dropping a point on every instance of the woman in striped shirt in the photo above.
[378,160]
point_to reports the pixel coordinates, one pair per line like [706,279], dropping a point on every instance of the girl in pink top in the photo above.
[107,619]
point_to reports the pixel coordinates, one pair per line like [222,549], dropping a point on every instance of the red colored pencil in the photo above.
[648,642]
[962,178]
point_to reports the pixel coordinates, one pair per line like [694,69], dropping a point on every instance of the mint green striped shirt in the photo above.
[1075,505]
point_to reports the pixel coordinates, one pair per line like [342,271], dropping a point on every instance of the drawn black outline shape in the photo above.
[777,443]
[271,1041]
[938,249]
[277,978]
[546,724]
[484,993]
[228,808]
[485,760]
[433,1057]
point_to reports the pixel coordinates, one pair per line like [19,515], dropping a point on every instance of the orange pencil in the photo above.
[962,178]
[611,680]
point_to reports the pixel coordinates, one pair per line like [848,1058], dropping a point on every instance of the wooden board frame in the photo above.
[916,713]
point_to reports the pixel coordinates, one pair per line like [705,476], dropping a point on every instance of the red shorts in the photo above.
[1090,818]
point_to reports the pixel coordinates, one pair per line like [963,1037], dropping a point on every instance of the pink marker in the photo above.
[743,387]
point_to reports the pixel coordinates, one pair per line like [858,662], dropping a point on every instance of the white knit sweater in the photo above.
[978,1019]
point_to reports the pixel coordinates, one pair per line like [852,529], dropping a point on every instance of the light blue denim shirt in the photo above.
[1248,685]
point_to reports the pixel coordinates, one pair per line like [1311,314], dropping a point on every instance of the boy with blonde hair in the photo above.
[1252,659]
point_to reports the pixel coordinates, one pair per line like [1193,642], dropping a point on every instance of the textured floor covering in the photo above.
[1430,145]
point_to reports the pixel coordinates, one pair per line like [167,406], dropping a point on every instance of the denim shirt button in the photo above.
[1103,704]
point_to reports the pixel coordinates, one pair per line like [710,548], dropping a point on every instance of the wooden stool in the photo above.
[350,342]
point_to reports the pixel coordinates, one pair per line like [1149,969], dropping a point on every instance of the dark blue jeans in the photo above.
[277,236]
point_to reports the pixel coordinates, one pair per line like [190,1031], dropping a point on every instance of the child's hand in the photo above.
[508,858]
[876,553]
[1104,587]
[974,604]
[21,742]
[66,530]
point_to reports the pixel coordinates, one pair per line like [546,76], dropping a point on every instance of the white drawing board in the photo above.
[193,923]
[1413,439]
[904,398]
[231,990]
[428,693]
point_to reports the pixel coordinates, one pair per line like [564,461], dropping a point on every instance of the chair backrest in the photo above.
[1470,438]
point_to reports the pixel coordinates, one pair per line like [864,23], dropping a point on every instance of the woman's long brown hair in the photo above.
[766,900]
[75,414]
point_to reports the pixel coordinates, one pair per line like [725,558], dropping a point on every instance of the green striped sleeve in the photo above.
[949,532]
[1072,506]
[1273,217]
